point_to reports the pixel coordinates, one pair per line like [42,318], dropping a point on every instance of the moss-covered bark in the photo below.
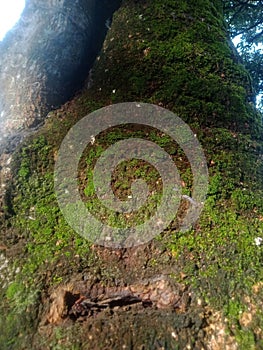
[174,54]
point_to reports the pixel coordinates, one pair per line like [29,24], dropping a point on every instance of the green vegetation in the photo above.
[127,172]
[245,21]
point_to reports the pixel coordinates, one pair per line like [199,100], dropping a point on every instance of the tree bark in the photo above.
[195,289]
[46,57]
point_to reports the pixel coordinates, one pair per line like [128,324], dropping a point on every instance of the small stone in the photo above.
[258,241]
[174,335]
[199,302]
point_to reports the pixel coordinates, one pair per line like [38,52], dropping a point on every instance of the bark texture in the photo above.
[200,289]
[46,57]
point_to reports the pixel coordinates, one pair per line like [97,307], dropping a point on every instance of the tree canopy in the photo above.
[245,20]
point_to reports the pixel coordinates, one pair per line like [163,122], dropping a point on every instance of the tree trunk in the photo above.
[183,290]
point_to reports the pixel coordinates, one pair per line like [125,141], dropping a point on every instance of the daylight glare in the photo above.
[259,47]
[10,11]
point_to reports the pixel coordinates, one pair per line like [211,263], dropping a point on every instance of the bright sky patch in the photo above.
[10,12]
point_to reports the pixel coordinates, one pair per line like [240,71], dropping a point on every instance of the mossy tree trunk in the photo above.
[174,54]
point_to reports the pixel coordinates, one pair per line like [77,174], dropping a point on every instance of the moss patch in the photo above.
[174,54]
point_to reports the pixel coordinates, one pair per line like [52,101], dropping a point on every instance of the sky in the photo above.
[10,11]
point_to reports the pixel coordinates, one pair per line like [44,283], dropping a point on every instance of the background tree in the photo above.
[245,20]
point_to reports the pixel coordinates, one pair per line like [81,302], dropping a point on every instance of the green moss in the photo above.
[14,289]
[127,172]
[175,54]
[37,218]
[178,58]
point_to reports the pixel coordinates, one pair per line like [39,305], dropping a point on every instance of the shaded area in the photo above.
[45,59]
